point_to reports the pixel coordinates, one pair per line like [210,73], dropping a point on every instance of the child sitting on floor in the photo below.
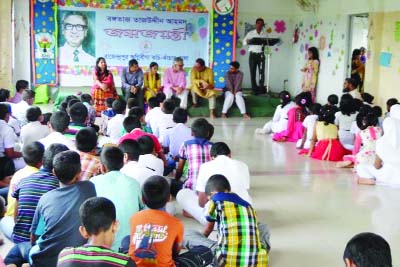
[344,118]
[235,218]
[98,225]
[333,100]
[295,129]
[309,124]
[156,236]
[106,115]
[325,144]
[280,119]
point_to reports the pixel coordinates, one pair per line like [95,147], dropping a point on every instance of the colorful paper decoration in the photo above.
[223,42]
[44,42]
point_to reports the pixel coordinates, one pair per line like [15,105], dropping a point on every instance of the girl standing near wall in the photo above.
[311,70]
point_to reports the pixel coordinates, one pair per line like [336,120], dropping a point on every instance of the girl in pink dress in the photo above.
[365,141]
[296,115]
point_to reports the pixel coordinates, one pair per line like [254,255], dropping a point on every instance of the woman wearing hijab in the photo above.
[385,171]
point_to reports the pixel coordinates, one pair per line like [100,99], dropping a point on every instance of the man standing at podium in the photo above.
[256,57]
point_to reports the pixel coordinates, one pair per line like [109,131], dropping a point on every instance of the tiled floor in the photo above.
[312,208]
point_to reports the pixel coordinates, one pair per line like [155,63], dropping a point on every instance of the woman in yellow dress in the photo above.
[152,81]
[311,70]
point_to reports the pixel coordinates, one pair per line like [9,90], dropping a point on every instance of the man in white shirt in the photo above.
[19,110]
[256,57]
[34,130]
[235,171]
[75,30]
[131,167]
[115,124]
[59,122]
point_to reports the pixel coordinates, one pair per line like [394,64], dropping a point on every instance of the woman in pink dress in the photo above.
[296,115]
[103,86]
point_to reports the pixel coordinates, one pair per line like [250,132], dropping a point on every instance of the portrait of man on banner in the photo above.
[223,7]
[76,38]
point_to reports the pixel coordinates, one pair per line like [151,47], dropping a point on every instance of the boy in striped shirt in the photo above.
[99,225]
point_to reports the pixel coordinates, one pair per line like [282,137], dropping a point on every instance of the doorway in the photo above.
[358,40]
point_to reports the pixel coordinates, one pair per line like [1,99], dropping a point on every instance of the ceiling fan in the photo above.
[308,5]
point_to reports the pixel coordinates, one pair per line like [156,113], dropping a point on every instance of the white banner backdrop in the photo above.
[120,35]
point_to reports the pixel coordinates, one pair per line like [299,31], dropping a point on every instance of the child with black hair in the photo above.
[46,118]
[296,115]
[367,99]
[367,250]
[114,126]
[344,119]
[175,137]
[333,100]
[86,144]
[134,131]
[309,124]
[365,143]
[33,157]
[325,144]
[106,115]
[87,100]
[280,119]
[377,110]
[139,113]
[79,120]
[147,156]
[365,140]
[195,151]
[20,87]
[29,191]
[156,236]
[122,190]
[34,130]
[7,170]
[99,225]
[132,168]
[164,121]
[239,242]
[389,103]
[59,122]
[60,205]
[154,111]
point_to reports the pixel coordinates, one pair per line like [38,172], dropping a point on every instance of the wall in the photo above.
[5,44]
[382,81]
[22,55]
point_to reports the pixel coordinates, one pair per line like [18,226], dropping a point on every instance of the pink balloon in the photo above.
[242,52]
[203,32]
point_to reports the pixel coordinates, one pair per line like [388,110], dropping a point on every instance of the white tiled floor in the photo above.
[312,208]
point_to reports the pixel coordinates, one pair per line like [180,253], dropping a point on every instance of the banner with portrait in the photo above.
[120,35]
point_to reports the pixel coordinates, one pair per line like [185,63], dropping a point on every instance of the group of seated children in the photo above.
[349,131]
[86,193]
